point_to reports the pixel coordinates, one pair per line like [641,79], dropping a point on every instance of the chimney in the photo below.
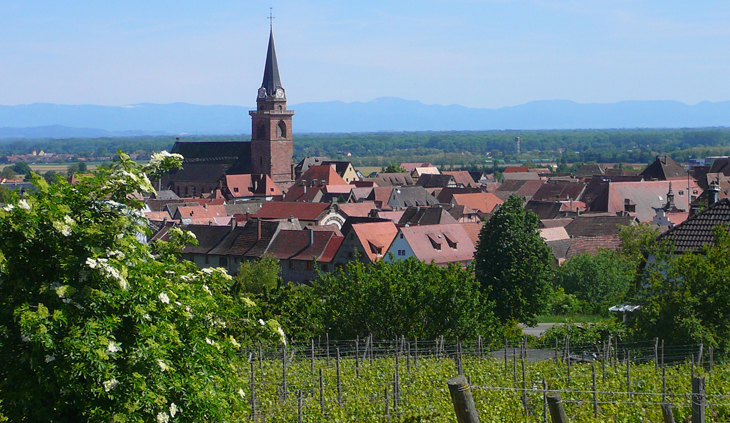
[258,229]
[311,236]
[233,222]
[713,192]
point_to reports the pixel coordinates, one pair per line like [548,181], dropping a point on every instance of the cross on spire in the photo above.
[271,18]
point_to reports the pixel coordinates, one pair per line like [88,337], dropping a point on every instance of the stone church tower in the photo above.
[272,144]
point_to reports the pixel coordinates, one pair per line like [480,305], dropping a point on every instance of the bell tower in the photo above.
[272,144]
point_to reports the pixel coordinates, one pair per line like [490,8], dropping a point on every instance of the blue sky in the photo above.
[488,54]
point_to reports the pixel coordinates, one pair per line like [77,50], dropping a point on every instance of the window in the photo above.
[235,189]
[223,261]
[401,252]
[349,254]
[325,268]
[206,259]
[401,236]
[291,264]
[452,244]
[309,265]
[281,130]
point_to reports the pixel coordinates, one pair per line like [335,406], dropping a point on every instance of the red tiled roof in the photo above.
[248,185]
[301,245]
[357,209]
[473,229]
[485,202]
[646,196]
[315,178]
[375,233]
[284,210]
[553,234]
[424,241]
[190,212]
[516,169]
[592,245]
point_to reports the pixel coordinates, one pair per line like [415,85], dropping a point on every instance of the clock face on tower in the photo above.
[279,93]
[262,92]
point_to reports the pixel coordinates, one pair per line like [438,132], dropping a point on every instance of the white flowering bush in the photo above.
[97,326]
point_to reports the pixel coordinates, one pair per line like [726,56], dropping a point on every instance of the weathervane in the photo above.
[271,18]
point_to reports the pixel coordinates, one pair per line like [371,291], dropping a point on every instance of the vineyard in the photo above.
[405,381]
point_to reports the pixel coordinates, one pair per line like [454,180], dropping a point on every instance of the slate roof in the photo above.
[243,208]
[523,188]
[664,168]
[212,151]
[559,190]
[545,210]
[720,165]
[597,225]
[410,196]
[588,170]
[485,202]
[197,172]
[696,232]
[415,216]
[166,195]
[208,237]
[462,178]
[429,180]
[271,70]
[393,179]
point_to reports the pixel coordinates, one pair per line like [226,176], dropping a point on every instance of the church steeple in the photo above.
[271,82]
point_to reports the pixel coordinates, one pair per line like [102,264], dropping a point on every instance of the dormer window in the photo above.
[452,244]
[435,243]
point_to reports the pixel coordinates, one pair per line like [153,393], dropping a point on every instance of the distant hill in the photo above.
[383,114]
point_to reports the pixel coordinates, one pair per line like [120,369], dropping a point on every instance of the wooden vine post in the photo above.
[466,411]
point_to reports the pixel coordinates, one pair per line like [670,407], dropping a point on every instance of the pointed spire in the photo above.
[271,70]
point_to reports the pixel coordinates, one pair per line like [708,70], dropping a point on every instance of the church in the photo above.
[270,151]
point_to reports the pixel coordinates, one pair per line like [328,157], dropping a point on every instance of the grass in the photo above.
[576,318]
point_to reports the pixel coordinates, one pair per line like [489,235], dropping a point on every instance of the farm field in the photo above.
[416,391]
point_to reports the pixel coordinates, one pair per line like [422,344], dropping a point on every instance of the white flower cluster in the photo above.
[9,208]
[64,228]
[116,254]
[158,159]
[107,270]
[23,205]
[162,417]
[281,334]
[113,347]
[162,364]
[217,270]
[241,393]
[122,178]
[173,409]
[109,385]
[163,298]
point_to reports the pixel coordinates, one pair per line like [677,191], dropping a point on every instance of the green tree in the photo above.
[83,168]
[50,176]
[598,280]
[21,168]
[636,240]
[684,297]
[394,168]
[258,276]
[8,173]
[513,264]
[97,326]
[72,169]
[407,297]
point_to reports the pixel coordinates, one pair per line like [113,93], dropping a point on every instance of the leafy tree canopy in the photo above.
[684,297]
[513,264]
[394,168]
[407,297]
[598,280]
[97,326]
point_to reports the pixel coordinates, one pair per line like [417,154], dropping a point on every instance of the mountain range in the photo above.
[42,120]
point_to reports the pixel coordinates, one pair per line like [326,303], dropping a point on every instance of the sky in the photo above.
[484,54]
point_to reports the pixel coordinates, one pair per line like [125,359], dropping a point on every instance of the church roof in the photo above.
[271,70]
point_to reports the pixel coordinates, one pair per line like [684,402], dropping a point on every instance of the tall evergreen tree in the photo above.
[513,264]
